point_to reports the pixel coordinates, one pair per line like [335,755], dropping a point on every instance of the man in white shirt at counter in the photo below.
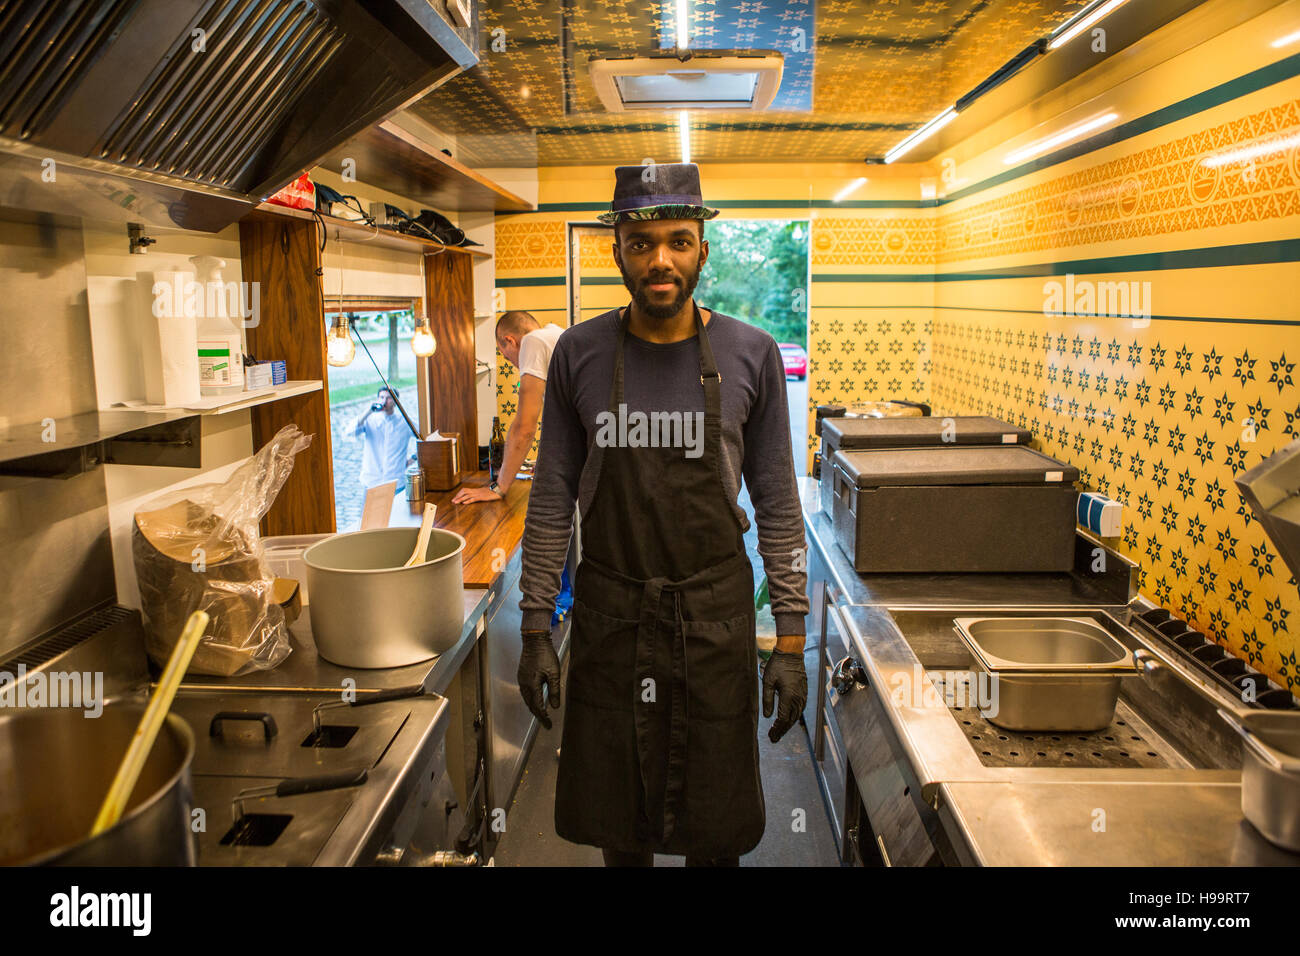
[389,442]
[527,345]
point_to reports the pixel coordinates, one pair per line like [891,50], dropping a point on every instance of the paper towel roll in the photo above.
[171,352]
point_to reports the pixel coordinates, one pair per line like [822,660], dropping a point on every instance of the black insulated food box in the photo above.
[945,432]
[959,508]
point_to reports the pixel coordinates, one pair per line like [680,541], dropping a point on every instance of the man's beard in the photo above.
[650,308]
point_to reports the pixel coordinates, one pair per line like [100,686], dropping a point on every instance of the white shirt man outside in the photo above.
[389,442]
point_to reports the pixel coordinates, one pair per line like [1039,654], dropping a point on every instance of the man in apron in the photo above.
[659,751]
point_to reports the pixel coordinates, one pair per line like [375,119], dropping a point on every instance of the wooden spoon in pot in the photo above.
[146,732]
[422,542]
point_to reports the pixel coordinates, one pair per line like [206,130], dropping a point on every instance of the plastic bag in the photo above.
[199,547]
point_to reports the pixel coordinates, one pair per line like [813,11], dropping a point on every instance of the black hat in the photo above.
[657,191]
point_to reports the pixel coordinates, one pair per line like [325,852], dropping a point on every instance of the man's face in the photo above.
[386,397]
[660,260]
[509,347]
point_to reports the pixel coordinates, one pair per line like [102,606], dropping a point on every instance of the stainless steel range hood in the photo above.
[183,112]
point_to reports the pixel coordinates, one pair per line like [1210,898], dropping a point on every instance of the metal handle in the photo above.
[329,781]
[830,603]
[833,607]
[266,720]
[1147,663]
[395,693]
[848,674]
[884,854]
[836,472]
[299,785]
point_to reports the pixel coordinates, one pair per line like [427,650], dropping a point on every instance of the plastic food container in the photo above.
[953,509]
[284,556]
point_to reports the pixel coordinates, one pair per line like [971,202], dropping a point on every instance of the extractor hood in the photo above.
[710,79]
[183,112]
[1272,489]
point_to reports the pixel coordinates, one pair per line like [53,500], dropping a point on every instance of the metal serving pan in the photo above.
[1270,773]
[1048,673]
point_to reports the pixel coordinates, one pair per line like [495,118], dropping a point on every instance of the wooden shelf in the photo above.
[400,162]
[345,230]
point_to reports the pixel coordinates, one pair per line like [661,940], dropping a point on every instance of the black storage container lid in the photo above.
[953,465]
[911,432]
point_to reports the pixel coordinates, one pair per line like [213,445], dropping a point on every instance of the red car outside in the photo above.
[795,359]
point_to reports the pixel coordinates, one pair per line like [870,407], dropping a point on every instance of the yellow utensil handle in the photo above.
[146,732]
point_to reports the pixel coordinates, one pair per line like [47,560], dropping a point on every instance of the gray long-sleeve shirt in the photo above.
[665,377]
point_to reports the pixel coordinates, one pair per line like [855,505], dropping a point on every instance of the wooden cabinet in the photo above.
[281,251]
[282,255]
[449,303]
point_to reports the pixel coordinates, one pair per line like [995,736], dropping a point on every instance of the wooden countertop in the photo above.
[485,525]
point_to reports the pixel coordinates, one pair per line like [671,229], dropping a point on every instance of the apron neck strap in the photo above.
[710,378]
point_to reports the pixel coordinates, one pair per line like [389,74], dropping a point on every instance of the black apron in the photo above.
[660,743]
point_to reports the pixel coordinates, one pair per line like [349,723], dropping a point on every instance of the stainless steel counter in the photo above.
[936,790]
[305,670]
[1144,824]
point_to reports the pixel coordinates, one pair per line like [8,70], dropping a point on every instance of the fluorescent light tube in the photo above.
[922,134]
[1084,20]
[848,190]
[697,88]
[683,32]
[684,135]
[1056,139]
[1286,40]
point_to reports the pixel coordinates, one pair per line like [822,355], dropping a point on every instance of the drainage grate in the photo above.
[1126,743]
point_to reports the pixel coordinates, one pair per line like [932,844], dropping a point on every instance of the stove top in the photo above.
[258,741]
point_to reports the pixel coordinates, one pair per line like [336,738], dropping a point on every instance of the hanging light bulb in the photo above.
[423,343]
[339,349]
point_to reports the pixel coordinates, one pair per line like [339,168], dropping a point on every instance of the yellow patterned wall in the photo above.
[1160,414]
[944,302]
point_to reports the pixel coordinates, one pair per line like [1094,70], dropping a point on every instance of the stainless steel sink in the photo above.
[1165,721]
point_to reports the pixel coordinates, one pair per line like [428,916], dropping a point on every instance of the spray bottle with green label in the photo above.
[221,341]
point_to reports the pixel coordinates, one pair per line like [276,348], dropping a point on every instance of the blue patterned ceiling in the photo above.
[862,74]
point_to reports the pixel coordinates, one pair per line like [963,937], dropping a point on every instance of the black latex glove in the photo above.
[784,676]
[539,667]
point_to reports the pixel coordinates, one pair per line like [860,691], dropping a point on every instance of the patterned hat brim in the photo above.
[665,211]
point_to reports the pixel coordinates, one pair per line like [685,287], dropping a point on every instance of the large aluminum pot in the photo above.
[369,611]
[57,765]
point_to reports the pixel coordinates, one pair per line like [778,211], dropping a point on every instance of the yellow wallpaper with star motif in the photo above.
[1199,217]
